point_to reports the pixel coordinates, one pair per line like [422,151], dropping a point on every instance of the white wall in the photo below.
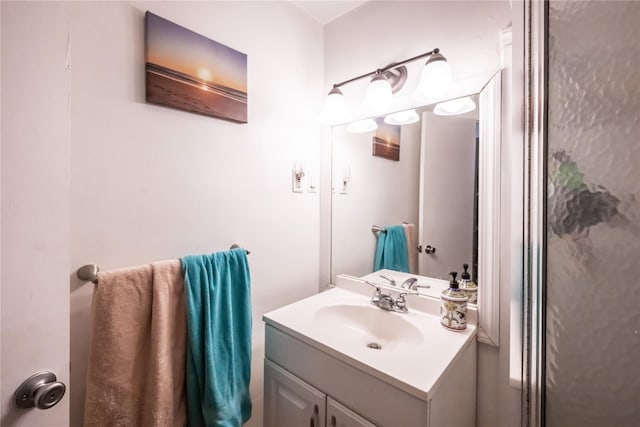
[379,33]
[149,183]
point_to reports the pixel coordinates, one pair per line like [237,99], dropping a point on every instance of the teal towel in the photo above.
[218,294]
[391,251]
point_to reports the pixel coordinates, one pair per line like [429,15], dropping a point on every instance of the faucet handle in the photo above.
[391,281]
[377,287]
[401,304]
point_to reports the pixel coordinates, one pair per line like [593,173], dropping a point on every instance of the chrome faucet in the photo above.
[412,284]
[383,301]
[409,283]
[386,301]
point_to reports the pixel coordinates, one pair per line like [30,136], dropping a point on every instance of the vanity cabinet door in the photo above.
[340,416]
[289,401]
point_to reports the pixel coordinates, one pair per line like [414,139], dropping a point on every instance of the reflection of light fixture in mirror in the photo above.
[298,177]
[434,81]
[435,78]
[402,117]
[379,94]
[455,106]
[361,126]
[335,106]
[346,177]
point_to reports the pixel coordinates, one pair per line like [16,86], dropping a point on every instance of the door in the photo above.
[289,401]
[341,416]
[35,213]
[591,250]
[448,170]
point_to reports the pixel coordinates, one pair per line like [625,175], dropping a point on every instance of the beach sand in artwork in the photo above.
[382,148]
[170,92]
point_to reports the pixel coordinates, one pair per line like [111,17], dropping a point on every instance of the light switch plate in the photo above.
[312,186]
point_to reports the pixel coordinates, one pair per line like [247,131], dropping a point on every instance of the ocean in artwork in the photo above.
[386,141]
[190,72]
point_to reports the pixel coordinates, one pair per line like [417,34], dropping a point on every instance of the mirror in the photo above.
[429,180]
[445,181]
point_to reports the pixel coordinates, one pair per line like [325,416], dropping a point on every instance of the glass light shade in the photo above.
[335,107]
[379,94]
[455,106]
[402,117]
[435,78]
[361,126]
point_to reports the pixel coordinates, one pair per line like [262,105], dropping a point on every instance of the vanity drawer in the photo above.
[380,402]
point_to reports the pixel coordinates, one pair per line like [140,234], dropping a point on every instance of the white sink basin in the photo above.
[366,325]
[414,349]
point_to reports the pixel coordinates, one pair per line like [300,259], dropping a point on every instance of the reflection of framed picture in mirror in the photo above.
[386,141]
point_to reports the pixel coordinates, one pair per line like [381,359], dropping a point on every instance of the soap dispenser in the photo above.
[469,286]
[453,309]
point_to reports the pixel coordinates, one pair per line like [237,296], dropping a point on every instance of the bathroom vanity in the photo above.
[333,359]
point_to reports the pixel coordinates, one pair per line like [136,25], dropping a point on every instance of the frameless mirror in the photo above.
[441,174]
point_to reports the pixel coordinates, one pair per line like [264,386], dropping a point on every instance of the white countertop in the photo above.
[416,349]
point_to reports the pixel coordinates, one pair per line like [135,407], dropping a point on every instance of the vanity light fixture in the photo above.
[402,117]
[379,93]
[435,79]
[455,107]
[335,106]
[362,126]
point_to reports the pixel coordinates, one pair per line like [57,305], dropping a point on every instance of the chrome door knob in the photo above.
[41,390]
[429,249]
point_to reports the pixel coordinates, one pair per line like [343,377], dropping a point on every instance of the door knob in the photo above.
[429,249]
[41,390]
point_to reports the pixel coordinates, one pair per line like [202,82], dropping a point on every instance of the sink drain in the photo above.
[374,345]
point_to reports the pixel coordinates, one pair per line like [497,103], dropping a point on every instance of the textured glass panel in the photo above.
[593,271]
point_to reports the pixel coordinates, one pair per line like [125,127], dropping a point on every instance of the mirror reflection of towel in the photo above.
[391,250]
[412,253]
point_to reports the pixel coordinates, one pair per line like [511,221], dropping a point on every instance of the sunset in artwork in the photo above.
[188,71]
[386,141]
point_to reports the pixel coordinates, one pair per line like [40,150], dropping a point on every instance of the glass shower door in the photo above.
[593,214]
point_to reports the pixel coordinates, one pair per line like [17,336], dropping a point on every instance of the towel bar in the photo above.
[89,272]
[235,246]
[376,228]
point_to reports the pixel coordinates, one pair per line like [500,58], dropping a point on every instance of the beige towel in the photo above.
[412,251]
[137,360]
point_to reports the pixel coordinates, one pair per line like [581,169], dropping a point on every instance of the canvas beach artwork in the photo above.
[386,141]
[190,72]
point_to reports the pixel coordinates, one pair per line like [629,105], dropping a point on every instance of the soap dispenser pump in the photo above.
[469,286]
[453,309]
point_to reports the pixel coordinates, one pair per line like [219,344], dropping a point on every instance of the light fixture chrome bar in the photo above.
[388,67]
[398,64]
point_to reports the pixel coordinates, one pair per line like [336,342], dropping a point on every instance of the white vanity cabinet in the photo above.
[291,402]
[322,369]
[341,416]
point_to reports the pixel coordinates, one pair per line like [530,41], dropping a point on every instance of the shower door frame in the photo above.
[535,253]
